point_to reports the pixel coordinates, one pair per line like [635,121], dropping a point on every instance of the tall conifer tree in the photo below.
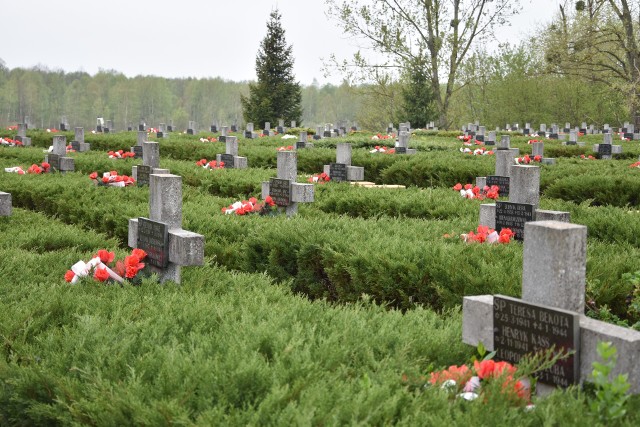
[276,95]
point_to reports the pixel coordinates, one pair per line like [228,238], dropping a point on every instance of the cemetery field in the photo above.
[331,317]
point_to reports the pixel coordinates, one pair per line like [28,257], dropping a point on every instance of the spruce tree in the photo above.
[417,97]
[276,95]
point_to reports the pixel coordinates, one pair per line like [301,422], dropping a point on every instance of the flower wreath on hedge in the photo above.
[34,169]
[112,179]
[99,268]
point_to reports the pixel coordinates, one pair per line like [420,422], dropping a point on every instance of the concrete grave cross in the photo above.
[57,157]
[230,158]
[606,149]
[191,129]
[524,199]
[280,128]
[303,141]
[267,129]
[249,133]
[5,204]
[402,146]
[553,294]
[284,190]
[168,246]
[22,135]
[150,164]
[342,170]
[79,139]
[224,131]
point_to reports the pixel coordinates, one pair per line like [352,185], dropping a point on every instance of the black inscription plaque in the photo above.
[338,172]
[228,160]
[327,134]
[143,173]
[214,129]
[501,181]
[63,127]
[628,135]
[583,131]
[566,130]
[105,130]
[280,191]
[160,134]
[98,128]
[489,142]
[513,216]
[189,131]
[480,138]
[234,128]
[604,149]
[553,136]
[141,128]
[526,131]
[153,238]
[389,130]
[75,145]
[222,138]
[54,162]
[137,151]
[279,129]
[300,145]
[169,128]
[572,143]
[521,328]
[248,134]
[316,137]
[401,150]
[266,132]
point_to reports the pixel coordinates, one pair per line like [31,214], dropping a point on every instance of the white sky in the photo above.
[186,38]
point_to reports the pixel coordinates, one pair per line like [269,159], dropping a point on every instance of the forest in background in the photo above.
[506,87]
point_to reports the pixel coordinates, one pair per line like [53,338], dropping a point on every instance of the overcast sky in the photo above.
[185,38]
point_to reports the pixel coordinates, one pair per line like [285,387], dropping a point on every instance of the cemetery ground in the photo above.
[334,316]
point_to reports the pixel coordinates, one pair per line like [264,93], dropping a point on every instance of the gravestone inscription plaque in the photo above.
[501,181]
[280,191]
[513,216]
[228,160]
[54,162]
[521,328]
[143,173]
[604,149]
[153,238]
[338,172]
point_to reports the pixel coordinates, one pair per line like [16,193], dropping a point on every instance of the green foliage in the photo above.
[276,95]
[417,95]
[609,403]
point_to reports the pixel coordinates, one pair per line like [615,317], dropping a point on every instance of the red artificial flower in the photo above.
[131,272]
[101,274]
[93,175]
[45,166]
[268,200]
[537,158]
[69,275]
[485,368]
[459,374]
[457,187]
[468,186]
[133,261]
[141,254]
[105,256]
[105,179]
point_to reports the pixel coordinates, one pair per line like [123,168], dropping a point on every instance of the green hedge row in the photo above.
[325,255]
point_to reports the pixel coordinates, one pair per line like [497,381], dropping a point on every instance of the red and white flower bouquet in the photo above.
[204,163]
[252,205]
[120,154]
[98,267]
[112,179]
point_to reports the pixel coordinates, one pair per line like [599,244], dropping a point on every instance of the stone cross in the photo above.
[303,141]
[628,131]
[482,130]
[402,146]
[78,143]
[505,156]
[234,126]
[327,131]
[5,204]
[191,129]
[267,129]
[162,131]
[280,128]
[150,164]
[342,169]
[524,198]
[284,190]
[319,133]
[57,158]
[142,126]
[554,132]
[543,130]
[293,124]
[567,127]
[491,138]
[390,128]
[64,124]
[573,138]
[605,149]
[537,149]
[249,133]
[22,135]
[553,277]
[224,131]
[230,158]
[214,126]
[170,126]
[168,246]
[109,127]
[527,129]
